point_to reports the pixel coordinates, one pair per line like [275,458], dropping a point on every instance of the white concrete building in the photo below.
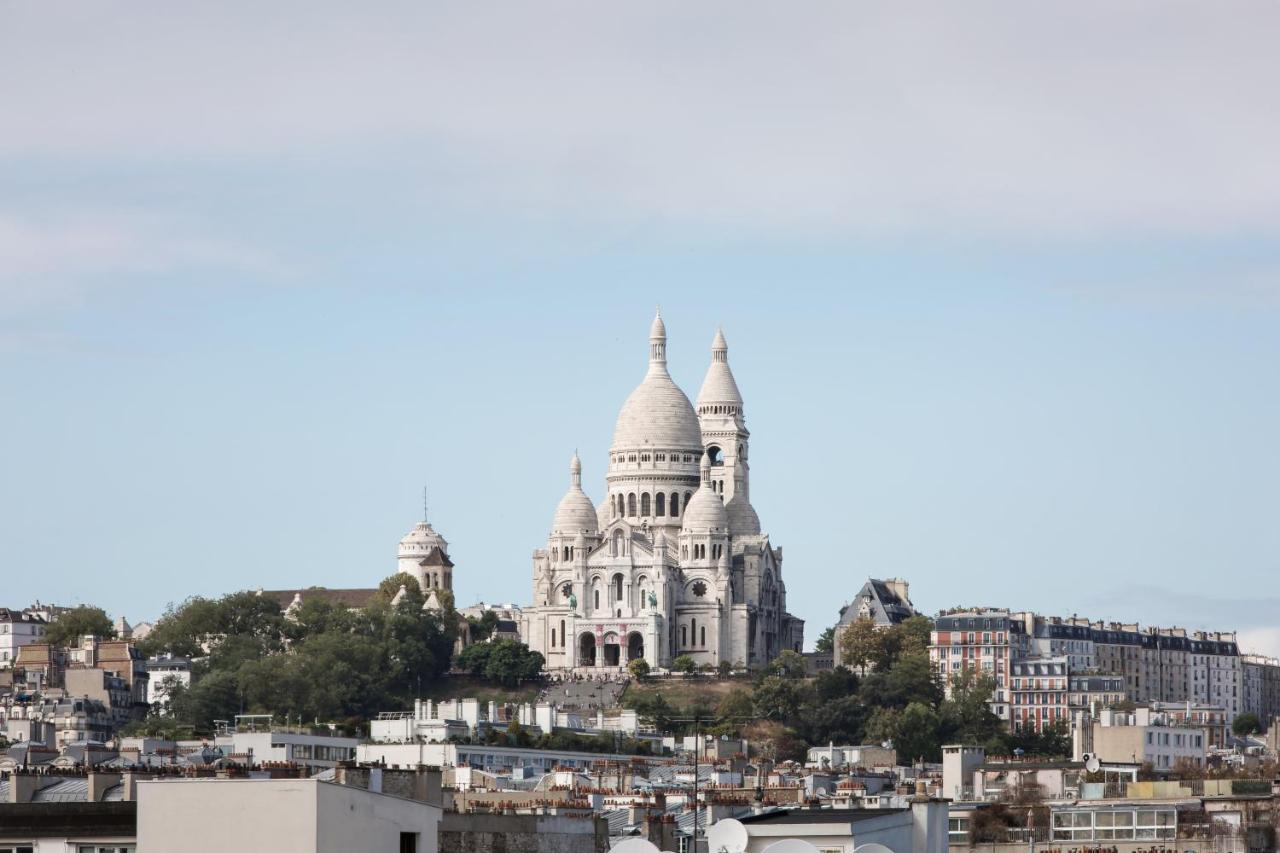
[865,756]
[165,673]
[673,561]
[18,629]
[1142,737]
[487,757]
[280,815]
[921,828]
[315,751]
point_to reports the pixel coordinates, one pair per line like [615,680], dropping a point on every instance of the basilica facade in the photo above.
[673,560]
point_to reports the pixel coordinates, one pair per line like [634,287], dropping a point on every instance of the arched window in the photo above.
[617,587]
[631,504]
[693,629]
[644,505]
[687,495]
[684,637]
[553,636]
[702,637]
[675,504]
[562,640]
[597,598]
[659,504]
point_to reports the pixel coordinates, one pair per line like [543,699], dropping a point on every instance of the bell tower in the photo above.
[724,428]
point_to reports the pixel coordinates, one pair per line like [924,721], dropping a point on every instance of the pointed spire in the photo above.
[720,347]
[575,471]
[658,342]
[719,394]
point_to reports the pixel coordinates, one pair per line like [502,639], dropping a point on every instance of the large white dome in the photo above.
[657,414]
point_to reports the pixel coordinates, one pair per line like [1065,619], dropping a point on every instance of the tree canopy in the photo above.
[78,622]
[324,661]
[507,662]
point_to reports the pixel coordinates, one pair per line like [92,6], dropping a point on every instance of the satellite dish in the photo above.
[1092,764]
[635,845]
[725,836]
[789,845]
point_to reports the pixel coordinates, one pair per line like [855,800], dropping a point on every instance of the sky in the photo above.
[1000,282]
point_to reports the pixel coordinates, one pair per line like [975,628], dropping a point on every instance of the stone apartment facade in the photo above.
[1144,665]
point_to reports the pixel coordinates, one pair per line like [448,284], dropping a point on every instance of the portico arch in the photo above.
[612,650]
[587,649]
[635,646]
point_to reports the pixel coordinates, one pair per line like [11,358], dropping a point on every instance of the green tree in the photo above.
[918,734]
[789,664]
[390,588]
[1246,724]
[639,669]
[861,644]
[736,705]
[842,720]
[910,636]
[826,641]
[651,707]
[482,629]
[776,698]
[78,622]
[685,664]
[511,663]
[182,630]
[506,662]
[833,684]
[965,717]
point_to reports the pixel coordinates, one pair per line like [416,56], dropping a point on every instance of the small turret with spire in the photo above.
[658,344]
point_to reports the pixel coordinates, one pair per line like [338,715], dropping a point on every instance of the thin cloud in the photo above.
[987,118]
[52,260]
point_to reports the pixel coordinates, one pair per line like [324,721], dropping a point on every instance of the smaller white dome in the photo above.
[422,540]
[705,511]
[576,514]
[743,519]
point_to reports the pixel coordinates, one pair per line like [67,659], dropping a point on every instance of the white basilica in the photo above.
[673,561]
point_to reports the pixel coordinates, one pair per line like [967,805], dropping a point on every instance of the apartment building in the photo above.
[1260,686]
[987,641]
[1095,692]
[1122,661]
[1038,693]
[1072,638]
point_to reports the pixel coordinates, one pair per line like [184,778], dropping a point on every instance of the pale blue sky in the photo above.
[1001,288]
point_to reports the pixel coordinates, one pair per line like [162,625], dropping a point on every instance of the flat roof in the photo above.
[818,815]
